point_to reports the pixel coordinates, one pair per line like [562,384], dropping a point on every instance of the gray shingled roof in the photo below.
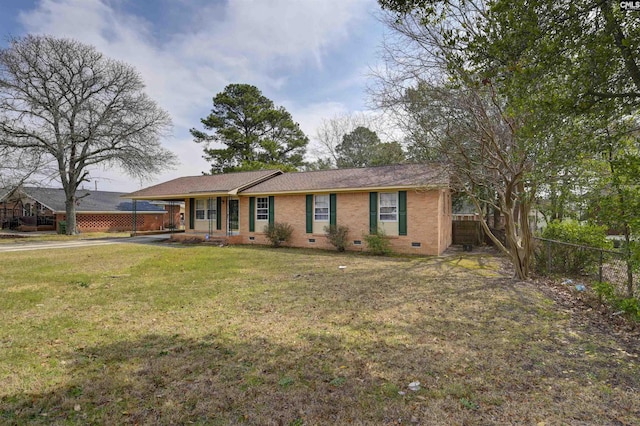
[228,183]
[95,201]
[396,176]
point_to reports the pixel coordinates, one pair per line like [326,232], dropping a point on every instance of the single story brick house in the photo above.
[411,203]
[37,208]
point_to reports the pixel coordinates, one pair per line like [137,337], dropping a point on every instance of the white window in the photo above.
[321,211]
[262,208]
[211,209]
[200,209]
[388,207]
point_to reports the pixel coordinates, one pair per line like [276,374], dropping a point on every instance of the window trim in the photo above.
[200,206]
[315,208]
[396,207]
[262,210]
[212,207]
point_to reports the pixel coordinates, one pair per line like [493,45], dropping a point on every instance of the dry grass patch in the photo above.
[158,335]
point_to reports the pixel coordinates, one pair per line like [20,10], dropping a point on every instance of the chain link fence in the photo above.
[588,264]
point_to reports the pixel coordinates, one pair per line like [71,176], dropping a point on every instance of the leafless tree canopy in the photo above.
[65,104]
[444,104]
[331,132]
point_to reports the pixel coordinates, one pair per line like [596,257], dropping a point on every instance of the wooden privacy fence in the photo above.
[467,232]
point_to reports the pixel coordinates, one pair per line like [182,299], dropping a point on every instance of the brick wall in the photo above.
[13,209]
[173,212]
[105,222]
[427,224]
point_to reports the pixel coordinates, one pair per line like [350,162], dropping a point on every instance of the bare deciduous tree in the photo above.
[332,132]
[488,161]
[18,168]
[63,102]
[474,129]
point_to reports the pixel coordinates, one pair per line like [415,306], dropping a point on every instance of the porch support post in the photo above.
[209,219]
[135,216]
[172,216]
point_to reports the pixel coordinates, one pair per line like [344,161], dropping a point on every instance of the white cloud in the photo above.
[265,43]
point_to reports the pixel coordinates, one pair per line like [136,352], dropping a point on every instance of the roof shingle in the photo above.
[89,201]
[183,187]
[395,176]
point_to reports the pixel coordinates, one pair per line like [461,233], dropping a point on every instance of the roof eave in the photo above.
[6,198]
[171,197]
[233,191]
[121,212]
[256,181]
[358,189]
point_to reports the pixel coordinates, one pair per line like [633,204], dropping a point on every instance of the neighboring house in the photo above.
[34,208]
[410,203]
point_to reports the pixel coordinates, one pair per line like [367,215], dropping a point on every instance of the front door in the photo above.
[234,215]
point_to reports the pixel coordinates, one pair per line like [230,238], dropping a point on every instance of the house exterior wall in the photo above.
[428,222]
[86,222]
[205,226]
[172,218]
[115,222]
[446,218]
[31,215]
[11,209]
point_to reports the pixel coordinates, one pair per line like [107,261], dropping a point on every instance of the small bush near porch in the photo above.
[129,334]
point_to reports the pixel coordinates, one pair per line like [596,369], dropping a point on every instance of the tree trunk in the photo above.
[517,253]
[496,218]
[627,239]
[520,256]
[526,237]
[70,207]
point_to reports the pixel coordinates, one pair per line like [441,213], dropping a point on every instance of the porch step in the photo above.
[217,241]
[199,238]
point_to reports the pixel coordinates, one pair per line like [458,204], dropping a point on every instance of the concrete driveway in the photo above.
[41,245]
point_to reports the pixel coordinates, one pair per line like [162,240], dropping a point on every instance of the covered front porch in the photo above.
[210,218]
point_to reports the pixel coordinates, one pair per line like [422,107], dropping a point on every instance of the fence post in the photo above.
[548,257]
[629,275]
[600,266]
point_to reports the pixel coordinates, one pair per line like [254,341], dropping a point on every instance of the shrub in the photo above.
[575,260]
[571,231]
[378,243]
[338,236]
[278,233]
[606,293]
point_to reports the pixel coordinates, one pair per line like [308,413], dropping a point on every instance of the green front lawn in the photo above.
[24,238]
[138,334]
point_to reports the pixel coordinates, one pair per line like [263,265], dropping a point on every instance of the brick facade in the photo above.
[172,218]
[97,211]
[116,222]
[428,222]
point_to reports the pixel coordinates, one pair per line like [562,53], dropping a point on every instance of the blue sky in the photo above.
[310,56]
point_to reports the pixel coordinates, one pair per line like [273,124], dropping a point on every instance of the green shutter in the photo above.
[252,214]
[309,214]
[402,209]
[373,212]
[332,209]
[271,206]
[192,212]
[218,213]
